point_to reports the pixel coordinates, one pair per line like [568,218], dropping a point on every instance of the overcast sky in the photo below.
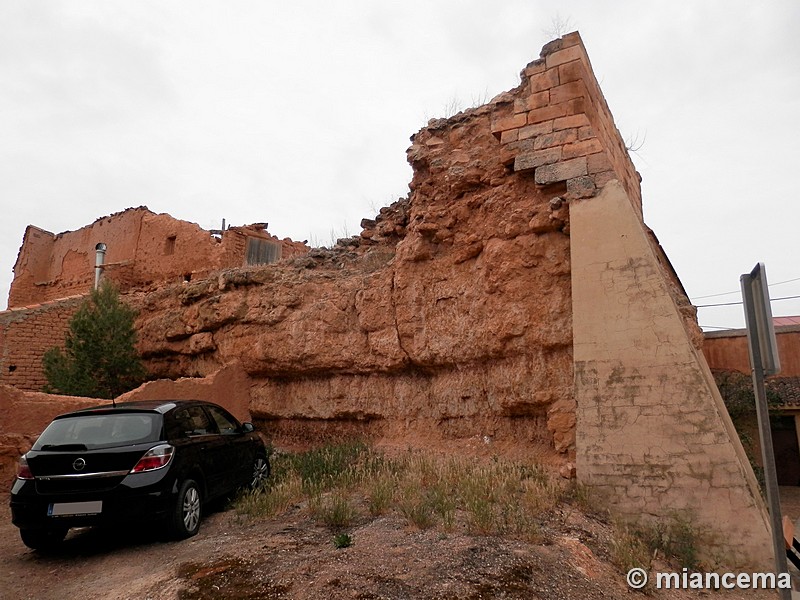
[299,114]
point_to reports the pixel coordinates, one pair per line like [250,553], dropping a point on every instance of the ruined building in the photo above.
[515,298]
[143,250]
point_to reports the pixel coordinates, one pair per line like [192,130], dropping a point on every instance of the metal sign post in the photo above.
[764,361]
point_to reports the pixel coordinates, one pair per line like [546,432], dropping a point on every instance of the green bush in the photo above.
[99,359]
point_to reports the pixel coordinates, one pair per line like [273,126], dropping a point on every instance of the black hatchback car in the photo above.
[138,461]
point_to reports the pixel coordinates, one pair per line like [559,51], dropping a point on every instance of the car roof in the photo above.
[159,406]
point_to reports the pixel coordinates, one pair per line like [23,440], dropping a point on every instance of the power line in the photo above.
[720,294]
[735,303]
[718,304]
[715,327]
[787,281]
[740,291]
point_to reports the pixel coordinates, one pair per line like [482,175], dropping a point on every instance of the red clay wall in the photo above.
[728,350]
[23,416]
[25,335]
[143,248]
[450,316]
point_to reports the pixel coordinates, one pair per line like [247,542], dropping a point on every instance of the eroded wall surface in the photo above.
[449,317]
[26,334]
[143,249]
[654,436]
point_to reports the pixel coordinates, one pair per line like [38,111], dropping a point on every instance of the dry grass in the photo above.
[342,483]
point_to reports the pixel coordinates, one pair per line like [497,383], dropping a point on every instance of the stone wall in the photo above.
[654,437]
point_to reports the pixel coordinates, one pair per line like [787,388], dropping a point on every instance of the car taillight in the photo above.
[155,458]
[23,470]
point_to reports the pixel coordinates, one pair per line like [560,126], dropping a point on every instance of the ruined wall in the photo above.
[23,416]
[143,248]
[729,351]
[229,387]
[560,128]
[25,335]
[449,317]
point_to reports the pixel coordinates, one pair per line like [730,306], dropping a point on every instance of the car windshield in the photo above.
[86,432]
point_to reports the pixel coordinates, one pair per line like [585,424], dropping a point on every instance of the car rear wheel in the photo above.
[43,539]
[260,471]
[185,520]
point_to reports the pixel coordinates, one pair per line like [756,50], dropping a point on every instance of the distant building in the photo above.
[143,249]
[728,351]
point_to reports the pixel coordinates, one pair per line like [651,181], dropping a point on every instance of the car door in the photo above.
[238,449]
[207,446]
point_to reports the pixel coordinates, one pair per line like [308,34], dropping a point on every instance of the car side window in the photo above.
[193,421]
[226,423]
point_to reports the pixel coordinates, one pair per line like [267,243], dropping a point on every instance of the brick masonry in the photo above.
[561,128]
[25,334]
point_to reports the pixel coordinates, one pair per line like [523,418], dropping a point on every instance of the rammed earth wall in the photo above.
[514,298]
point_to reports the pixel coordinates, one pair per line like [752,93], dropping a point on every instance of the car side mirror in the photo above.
[247,427]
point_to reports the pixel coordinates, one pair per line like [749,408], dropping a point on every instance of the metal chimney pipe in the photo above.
[99,261]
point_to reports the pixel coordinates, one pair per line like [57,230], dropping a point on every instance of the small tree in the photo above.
[99,359]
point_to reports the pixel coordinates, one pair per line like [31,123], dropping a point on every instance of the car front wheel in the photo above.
[186,513]
[43,539]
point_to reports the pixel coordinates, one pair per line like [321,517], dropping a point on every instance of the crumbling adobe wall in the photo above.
[23,416]
[25,335]
[143,248]
[449,317]
[228,387]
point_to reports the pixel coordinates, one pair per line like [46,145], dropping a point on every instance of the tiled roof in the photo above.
[778,321]
[788,388]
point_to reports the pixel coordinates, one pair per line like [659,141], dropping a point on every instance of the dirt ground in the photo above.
[291,556]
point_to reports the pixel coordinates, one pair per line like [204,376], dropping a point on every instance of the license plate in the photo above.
[72,509]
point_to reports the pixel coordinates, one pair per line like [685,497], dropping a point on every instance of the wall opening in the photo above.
[262,252]
[169,245]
